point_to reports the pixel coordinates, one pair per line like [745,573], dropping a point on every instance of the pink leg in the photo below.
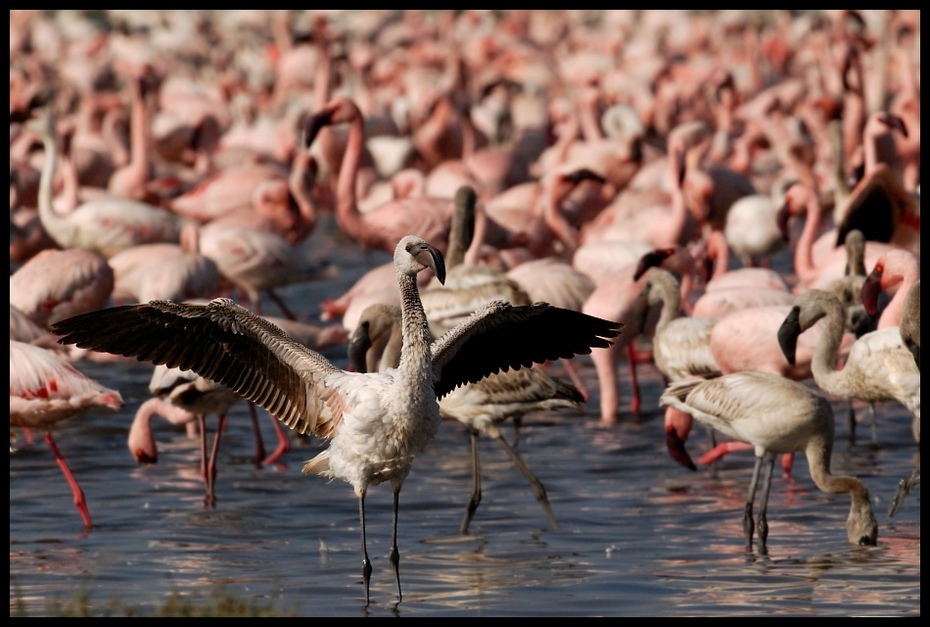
[575,377]
[284,444]
[210,498]
[720,451]
[787,461]
[79,500]
[634,380]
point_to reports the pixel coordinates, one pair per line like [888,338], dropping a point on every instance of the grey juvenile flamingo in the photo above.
[376,423]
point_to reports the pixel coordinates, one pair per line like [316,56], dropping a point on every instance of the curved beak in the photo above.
[871,288]
[359,344]
[652,259]
[788,334]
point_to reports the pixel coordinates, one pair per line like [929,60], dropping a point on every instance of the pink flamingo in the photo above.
[165,271]
[56,284]
[182,397]
[879,205]
[813,271]
[46,389]
[105,224]
[383,226]
[621,297]
[256,261]
[894,271]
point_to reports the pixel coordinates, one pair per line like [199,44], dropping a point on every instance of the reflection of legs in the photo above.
[76,490]
[475,498]
[537,485]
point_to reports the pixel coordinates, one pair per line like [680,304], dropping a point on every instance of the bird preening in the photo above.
[377,422]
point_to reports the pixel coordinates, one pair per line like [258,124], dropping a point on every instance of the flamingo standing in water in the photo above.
[46,389]
[482,407]
[776,415]
[376,422]
[878,368]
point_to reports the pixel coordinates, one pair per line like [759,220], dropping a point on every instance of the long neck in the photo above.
[350,219]
[556,191]
[415,356]
[671,304]
[56,225]
[861,522]
[891,315]
[826,353]
[804,249]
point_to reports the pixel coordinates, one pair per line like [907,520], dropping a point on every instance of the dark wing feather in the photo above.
[220,341]
[502,336]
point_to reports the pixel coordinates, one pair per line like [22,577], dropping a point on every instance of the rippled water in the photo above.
[638,534]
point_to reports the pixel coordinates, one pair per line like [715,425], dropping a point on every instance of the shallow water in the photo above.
[638,534]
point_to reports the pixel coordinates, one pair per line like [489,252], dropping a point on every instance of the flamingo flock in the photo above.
[685,191]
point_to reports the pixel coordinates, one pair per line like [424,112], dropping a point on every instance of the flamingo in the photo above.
[165,271]
[256,261]
[879,205]
[182,397]
[910,321]
[813,270]
[621,297]
[878,368]
[775,415]
[897,270]
[46,389]
[376,423]
[681,350]
[482,406]
[105,224]
[383,226]
[56,284]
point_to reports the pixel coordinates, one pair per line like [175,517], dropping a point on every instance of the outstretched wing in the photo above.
[502,336]
[220,341]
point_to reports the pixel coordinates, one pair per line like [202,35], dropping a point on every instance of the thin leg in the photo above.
[852,421]
[284,444]
[634,380]
[76,490]
[366,563]
[538,488]
[575,378]
[904,487]
[259,442]
[763,524]
[210,499]
[202,423]
[874,423]
[394,555]
[475,498]
[517,423]
[280,303]
[748,523]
